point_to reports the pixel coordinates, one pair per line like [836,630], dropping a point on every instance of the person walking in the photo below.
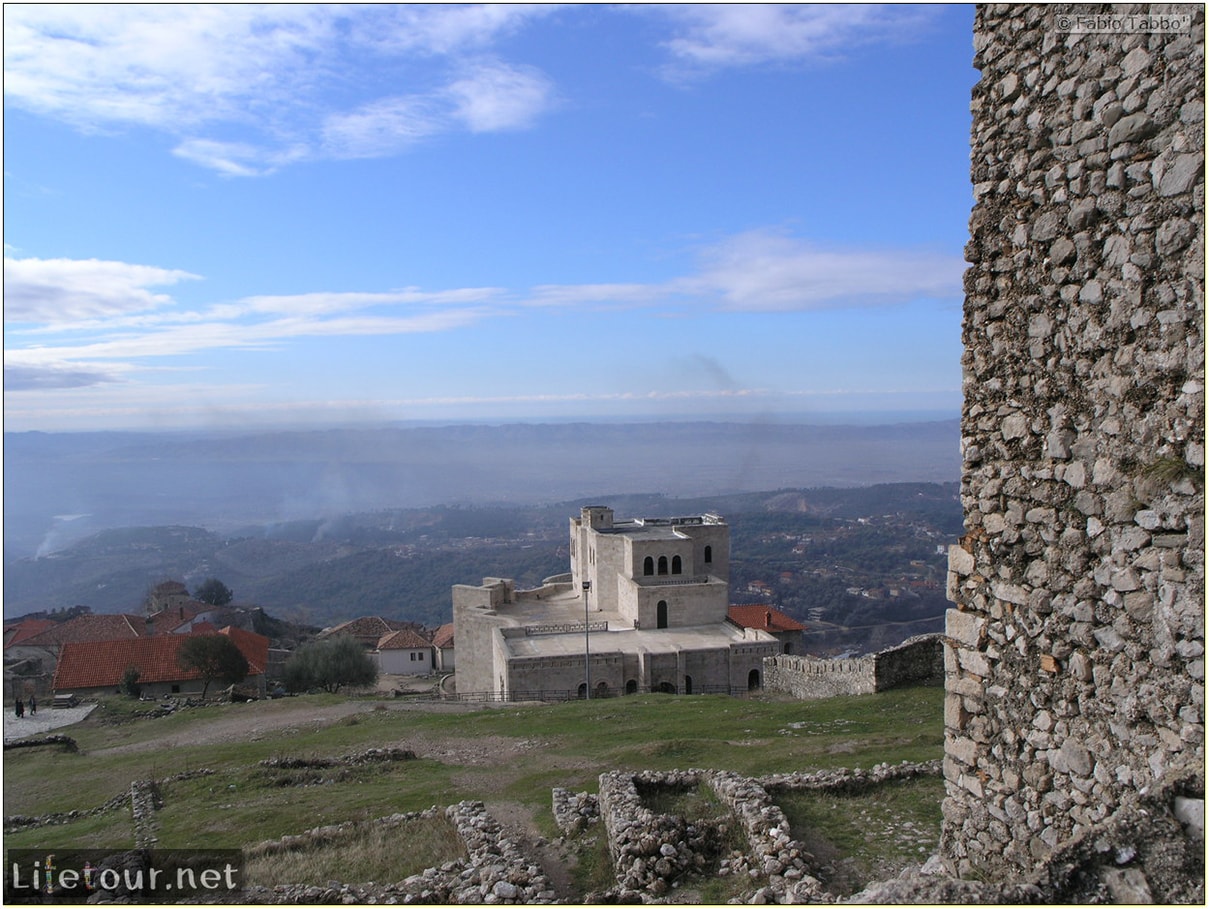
[20,709]
[33,706]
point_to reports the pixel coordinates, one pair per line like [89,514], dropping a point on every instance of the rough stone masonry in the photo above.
[1075,655]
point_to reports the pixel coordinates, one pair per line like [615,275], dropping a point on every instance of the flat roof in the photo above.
[629,640]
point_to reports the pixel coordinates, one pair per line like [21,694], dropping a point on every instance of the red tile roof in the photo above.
[443,636]
[252,645]
[100,664]
[174,615]
[402,640]
[89,628]
[26,628]
[367,626]
[762,616]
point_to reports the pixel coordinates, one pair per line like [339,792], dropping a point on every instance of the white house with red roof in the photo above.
[765,617]
[404,653]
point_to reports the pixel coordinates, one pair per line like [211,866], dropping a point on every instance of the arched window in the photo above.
[753,680]
[709,555]
[676,565]
[663,564]
[661,614]
[648,566]
[688,684]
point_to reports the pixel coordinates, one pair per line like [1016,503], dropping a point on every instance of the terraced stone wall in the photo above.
[1075,655]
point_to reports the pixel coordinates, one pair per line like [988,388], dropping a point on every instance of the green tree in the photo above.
[129,685]
[329,664]
[215,656]
[214,592]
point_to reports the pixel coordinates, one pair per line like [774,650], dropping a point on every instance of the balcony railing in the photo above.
[565,628]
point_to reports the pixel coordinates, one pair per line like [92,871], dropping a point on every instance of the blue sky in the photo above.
[241,215]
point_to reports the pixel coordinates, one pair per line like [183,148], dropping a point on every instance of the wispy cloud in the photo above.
[710,37]
[54,291]
[763,271]
[65,316]
[295,81]
[767,271]
[247,89]
[19,377]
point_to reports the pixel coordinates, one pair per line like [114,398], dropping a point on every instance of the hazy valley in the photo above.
[319,527]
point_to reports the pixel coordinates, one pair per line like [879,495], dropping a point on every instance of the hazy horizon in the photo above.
[788,418]
[61,486]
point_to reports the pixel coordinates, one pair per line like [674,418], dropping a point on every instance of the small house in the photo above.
[404,653]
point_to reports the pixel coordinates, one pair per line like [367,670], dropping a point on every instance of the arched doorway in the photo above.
[666,688]
[583,691]
[688,684]
[602,690]
[661,614]
[631,687]
[753,680]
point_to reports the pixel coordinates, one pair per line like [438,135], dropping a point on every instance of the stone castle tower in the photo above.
[1075,654]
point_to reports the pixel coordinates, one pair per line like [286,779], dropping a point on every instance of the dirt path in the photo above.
[556,861]
[257,720]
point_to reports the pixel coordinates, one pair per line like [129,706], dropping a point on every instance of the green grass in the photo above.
[864,833]
[568,745]
[385,854]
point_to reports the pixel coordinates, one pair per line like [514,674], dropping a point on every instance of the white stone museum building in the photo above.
[644,608]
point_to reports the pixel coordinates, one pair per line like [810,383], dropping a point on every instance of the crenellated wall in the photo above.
[916,660]
[1075,655]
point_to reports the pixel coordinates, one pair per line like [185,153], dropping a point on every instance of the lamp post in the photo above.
[587,646]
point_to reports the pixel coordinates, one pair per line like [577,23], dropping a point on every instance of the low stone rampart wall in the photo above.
[810,678]
[918,659]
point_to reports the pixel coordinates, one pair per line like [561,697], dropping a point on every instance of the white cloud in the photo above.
[380,128]
[55,291]
[296,81]
[238,159]
[322,303]
[497,97]
[768,272]
[714,36]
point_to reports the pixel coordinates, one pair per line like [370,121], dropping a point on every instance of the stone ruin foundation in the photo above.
[652,852]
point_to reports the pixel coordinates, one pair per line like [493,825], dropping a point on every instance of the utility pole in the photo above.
[587,645]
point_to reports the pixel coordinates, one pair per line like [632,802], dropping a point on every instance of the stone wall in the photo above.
[652,852]
[1075,657]
[918,659]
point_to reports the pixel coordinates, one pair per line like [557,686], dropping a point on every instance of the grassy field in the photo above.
[504,754]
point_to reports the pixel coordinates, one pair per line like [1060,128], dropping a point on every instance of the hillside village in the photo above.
[822,561]
[86,655]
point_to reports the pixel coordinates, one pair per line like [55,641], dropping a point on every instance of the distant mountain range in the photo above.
[62,487]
